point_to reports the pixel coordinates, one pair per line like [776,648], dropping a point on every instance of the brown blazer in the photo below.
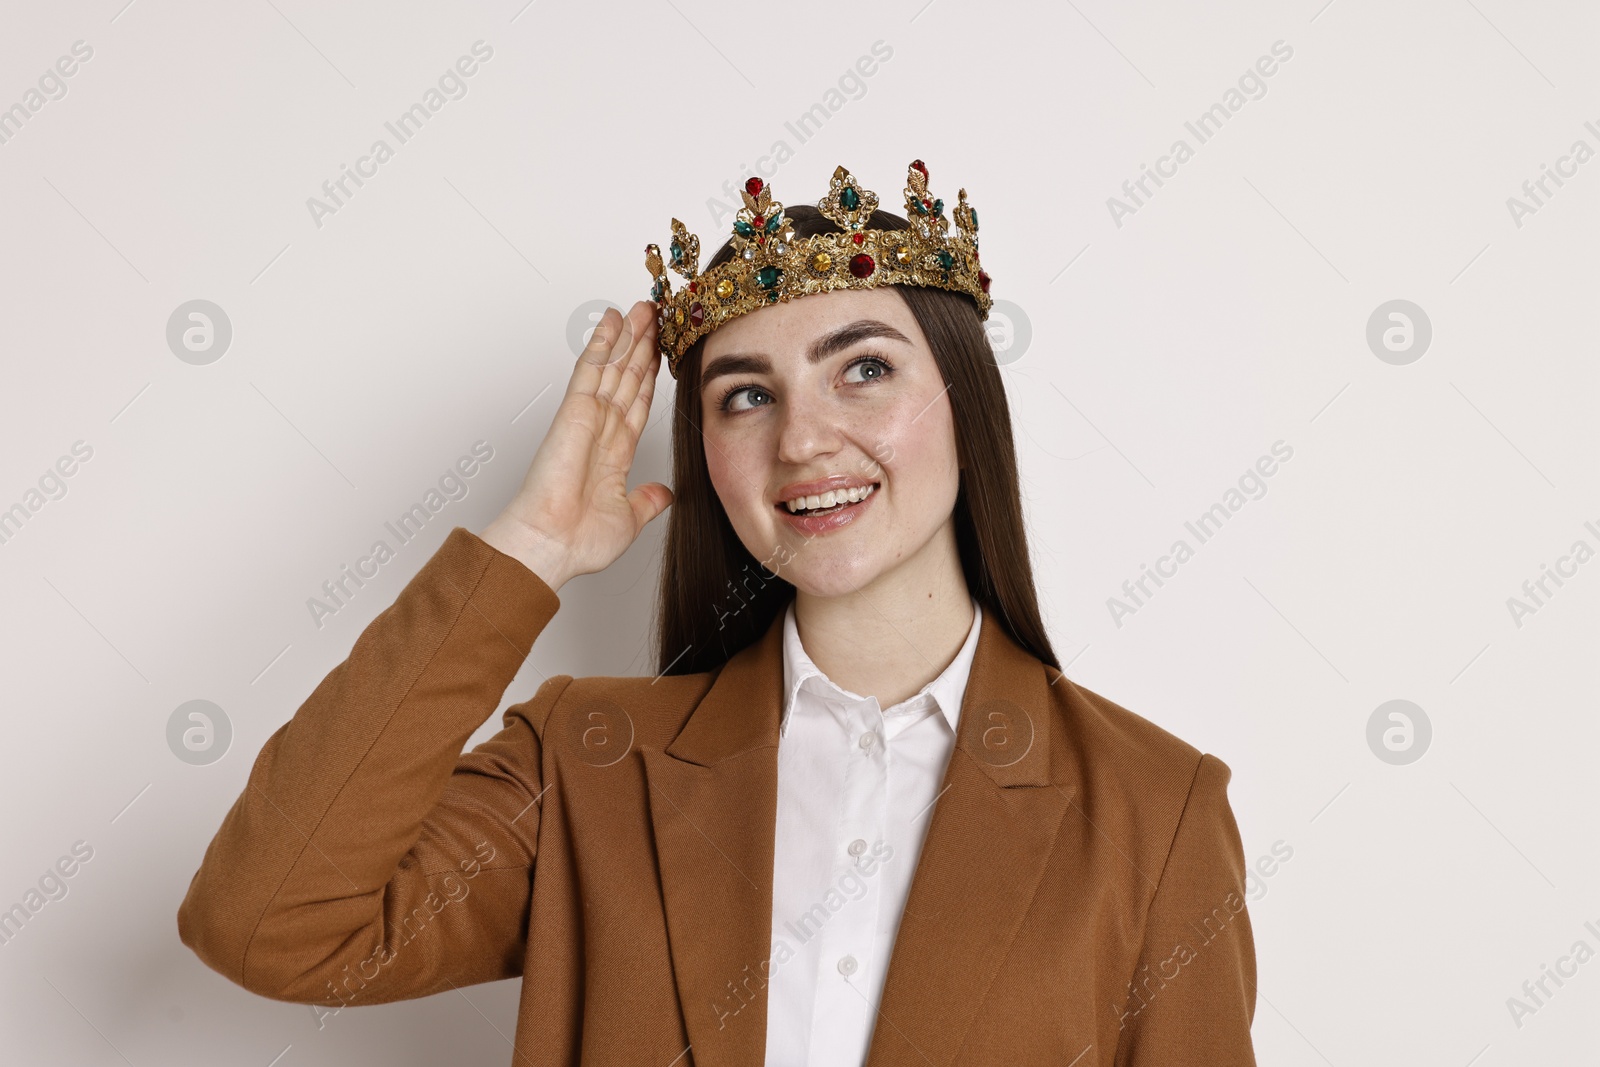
[1079,898]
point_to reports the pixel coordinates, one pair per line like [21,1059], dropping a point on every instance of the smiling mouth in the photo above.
[783,507]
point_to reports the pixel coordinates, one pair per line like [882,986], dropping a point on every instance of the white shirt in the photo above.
[856,791]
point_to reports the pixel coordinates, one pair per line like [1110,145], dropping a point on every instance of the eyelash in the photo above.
[870,357]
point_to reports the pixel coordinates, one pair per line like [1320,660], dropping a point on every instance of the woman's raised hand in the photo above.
[574,514]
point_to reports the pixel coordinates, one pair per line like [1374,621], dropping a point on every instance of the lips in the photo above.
[840,498]
[815,523]
[796,490]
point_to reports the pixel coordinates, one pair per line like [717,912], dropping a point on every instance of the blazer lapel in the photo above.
[713,809]
[993,827]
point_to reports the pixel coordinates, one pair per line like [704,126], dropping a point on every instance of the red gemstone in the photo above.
[928,204]
[761,240]
[861,265]
[697,314]
[753,186]
[917,163]
[758,222]
[858,237]
[694,287]
[983,280]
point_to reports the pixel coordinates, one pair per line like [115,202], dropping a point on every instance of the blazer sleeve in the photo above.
[368,859]
[1192,997]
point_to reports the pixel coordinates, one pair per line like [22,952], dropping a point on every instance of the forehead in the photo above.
[791,325]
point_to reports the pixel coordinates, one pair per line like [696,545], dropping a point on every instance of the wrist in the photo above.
[545,558]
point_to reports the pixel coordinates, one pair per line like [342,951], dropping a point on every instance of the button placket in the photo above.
[849,936]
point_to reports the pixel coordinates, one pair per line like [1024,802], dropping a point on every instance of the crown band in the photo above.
[771,265]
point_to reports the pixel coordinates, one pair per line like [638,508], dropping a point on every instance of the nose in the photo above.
[809,426]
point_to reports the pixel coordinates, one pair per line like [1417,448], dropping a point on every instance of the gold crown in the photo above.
[771,265]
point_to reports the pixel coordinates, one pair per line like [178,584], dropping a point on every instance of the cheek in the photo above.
[721,474]
[916,443]
[738,473]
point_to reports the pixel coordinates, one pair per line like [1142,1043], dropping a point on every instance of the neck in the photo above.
[896,634]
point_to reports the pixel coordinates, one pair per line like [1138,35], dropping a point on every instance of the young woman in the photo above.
[859,816]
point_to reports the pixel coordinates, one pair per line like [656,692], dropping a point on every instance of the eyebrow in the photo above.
[823,347]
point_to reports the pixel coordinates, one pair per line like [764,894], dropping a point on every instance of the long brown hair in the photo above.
[715,598]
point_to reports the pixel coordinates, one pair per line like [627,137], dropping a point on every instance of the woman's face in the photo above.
[840,388]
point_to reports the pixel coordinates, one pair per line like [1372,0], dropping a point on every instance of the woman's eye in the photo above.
[880,368]
[873,368]
[730,403]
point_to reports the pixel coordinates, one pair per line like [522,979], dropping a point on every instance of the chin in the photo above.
[827,578]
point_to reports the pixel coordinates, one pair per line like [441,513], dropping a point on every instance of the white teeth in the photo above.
[830,498]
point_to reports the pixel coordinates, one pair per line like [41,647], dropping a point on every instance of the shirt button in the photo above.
[847,965]
[868,740]
[857,847]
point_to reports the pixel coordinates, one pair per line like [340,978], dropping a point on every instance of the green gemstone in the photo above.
[938,207]
[768,277]
[974,215]
[946,260]
[774,223]
[677,252]
[849,199]
[655,291]
[922,209]
[772,297]
[743,228]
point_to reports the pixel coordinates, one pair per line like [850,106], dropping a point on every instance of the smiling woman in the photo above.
[911,370]
[677,864]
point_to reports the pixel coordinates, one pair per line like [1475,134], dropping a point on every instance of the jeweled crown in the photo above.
[771,265]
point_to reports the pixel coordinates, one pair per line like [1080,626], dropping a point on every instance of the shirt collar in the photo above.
[946,690]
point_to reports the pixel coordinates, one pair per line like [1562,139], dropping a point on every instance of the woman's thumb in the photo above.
[648,501]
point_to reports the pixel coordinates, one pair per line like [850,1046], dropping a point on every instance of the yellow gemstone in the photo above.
[902,254]
[677,316]
[821,262]
[724,288]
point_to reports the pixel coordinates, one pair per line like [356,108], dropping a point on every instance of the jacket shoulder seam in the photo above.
[1177,827]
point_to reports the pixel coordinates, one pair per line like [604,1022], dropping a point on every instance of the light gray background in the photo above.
[1167,354]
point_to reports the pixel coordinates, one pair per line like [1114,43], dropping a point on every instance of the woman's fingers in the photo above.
[618,368]
[614,373]
[591,361]
[637,366]
[639,409]
[608,343]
